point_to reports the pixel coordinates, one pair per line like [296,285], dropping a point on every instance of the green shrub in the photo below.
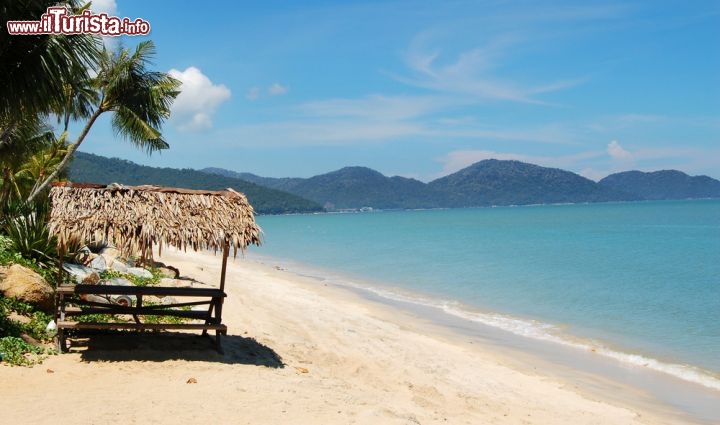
[34,328]
[99,318]
[136,280]
[9,327]
[16,351]
[38,325]
[28,231]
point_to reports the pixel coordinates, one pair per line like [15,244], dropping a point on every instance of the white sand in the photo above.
[346,361]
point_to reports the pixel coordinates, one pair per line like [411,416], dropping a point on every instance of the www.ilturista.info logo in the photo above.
[57,21]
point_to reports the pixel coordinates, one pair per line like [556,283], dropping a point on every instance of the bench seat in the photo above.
[70,306]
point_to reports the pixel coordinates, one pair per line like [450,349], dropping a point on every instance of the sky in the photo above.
[422,89]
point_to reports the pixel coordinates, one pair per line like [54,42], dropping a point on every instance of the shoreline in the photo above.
[345,359]
[445,310]
[566,359]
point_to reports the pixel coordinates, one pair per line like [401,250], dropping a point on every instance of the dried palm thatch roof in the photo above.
[135,218]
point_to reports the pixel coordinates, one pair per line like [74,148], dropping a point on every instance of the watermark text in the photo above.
[57,21]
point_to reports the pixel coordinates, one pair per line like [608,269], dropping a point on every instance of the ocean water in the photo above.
[637,282]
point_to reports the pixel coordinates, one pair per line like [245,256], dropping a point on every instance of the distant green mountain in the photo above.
[490,182]
[285,184]
[89,168]
[495,182]
[357,187]
[665,184]
[353,188]
[485,183]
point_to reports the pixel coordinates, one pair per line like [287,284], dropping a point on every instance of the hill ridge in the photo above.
[491,182]
[90,168]
[663,185]
[484,183]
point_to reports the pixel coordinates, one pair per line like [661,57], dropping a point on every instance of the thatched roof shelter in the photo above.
[136,218]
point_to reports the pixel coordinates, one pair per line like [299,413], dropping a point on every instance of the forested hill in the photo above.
[665,184]
[283,183]
[485,183]
[489,182]
[89,168]
[352,188]
[496,182]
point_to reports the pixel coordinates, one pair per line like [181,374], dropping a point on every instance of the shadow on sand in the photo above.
[118,346]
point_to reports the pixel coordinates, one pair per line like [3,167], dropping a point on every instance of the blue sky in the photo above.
[424,88]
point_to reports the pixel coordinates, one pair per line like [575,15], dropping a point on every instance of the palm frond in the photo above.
[127,124]
[34,68]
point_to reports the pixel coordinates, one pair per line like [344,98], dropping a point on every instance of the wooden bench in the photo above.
[70,303]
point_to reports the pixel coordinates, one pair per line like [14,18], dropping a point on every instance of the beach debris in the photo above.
[124,300]
[192,381]
[51,326]
[83,255]
[50,371]
[30,340]
[92,279]
[98,263]
[301,369]
[77,271]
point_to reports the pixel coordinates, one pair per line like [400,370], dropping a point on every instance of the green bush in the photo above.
[136,280]
[16,351]
[34,328]
[38,323]
[26,227]
[13,349]
[9,327]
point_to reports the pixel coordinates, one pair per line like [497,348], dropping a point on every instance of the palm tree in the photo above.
[28,137]
[139,100]
[34,68]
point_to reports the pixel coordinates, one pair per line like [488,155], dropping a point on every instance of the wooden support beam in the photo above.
[226,252]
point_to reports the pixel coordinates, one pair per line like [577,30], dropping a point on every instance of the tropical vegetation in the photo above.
[50,81]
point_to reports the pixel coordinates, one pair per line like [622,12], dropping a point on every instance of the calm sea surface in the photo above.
[639,282]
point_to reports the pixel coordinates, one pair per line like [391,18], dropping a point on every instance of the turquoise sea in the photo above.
[636,282]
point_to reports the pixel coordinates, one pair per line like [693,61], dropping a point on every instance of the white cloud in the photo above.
[109,7]
[104,6]
[198,99]
[471,74]
[617,152]
[277,89]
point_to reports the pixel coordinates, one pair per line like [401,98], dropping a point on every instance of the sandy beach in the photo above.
[301,352]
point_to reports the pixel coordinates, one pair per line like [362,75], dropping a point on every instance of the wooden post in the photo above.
[59,313]
[226,252]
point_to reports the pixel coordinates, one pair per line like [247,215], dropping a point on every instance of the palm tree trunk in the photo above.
[39,187]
